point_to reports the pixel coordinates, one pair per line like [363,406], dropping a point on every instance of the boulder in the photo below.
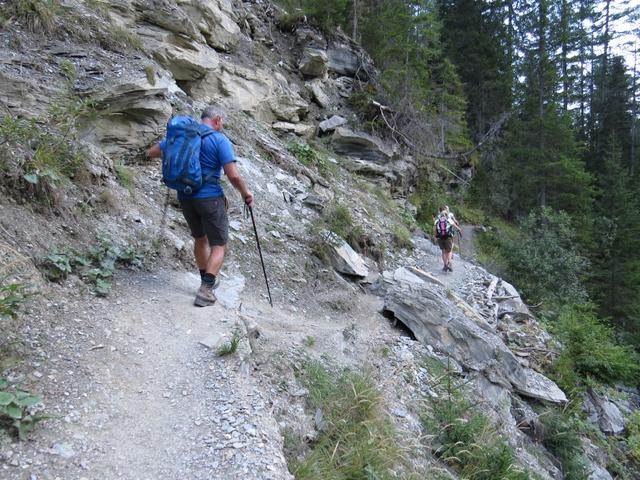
[23,96]
[540,387]
[288,106]
[435,320]
[185,59]
[604,413]
[342,59]
[133,113]
[216,20]
[309,37]
[344,86]
[343,258]
[318,93]
[596,472]
[332,123]
[512,304]
[169,16]
[260,93]
[364,168]
[299,129]
[360,145]
[313,63]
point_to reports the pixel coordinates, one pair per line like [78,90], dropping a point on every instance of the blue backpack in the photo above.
[181,169]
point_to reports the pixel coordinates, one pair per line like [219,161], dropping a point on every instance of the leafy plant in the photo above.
[12,296]
[14,407]
[95,266]
[309,341]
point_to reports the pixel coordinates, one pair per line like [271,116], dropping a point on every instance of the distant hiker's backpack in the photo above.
[444,228]
[181,169]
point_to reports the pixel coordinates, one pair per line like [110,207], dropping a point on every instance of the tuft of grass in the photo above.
[68,70]
[39,16]
[357,439]
[124,175]
[402,237]
[230,347]
[309,341]
[150,72]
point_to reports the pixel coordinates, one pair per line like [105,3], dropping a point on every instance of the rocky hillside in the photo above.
[125,362]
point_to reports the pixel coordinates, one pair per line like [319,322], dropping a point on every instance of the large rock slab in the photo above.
[167,15]
[300,129]
[21,95]
[133,113]
[342,59]
[264,95]
[343,258]
[540,387]
[313,63]
[332,123]
[604,413]
[216,21]
[435,320]
[360,145]
[185,59]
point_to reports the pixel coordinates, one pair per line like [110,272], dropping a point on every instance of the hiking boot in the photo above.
[205,296]
[445,268]
[450,268]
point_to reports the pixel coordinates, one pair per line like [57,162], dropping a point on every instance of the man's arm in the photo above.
[154,152]
[232,173]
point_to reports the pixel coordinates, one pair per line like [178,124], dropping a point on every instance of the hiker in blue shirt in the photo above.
[205,210]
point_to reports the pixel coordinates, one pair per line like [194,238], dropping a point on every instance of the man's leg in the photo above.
[216,257]
[201,252]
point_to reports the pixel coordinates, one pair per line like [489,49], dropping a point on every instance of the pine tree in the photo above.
[615,281]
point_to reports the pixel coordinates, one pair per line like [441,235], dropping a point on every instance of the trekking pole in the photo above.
[255,230]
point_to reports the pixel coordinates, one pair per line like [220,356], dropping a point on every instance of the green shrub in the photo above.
[589,350]
[561,436]
[15,408]
[150,73]
[633,435]
[357,439]
[44,153]
[465,438]
[543,261]
[12,296]
[96,266]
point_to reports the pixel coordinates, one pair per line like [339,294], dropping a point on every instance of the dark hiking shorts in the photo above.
[445,244]
[207,216]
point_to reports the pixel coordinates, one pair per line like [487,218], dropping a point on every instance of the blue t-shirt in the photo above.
[216,151]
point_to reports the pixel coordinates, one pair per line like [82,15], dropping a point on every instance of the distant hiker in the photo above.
[205,208]
[444,228]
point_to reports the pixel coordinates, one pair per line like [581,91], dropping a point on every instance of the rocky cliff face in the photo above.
[139,62]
